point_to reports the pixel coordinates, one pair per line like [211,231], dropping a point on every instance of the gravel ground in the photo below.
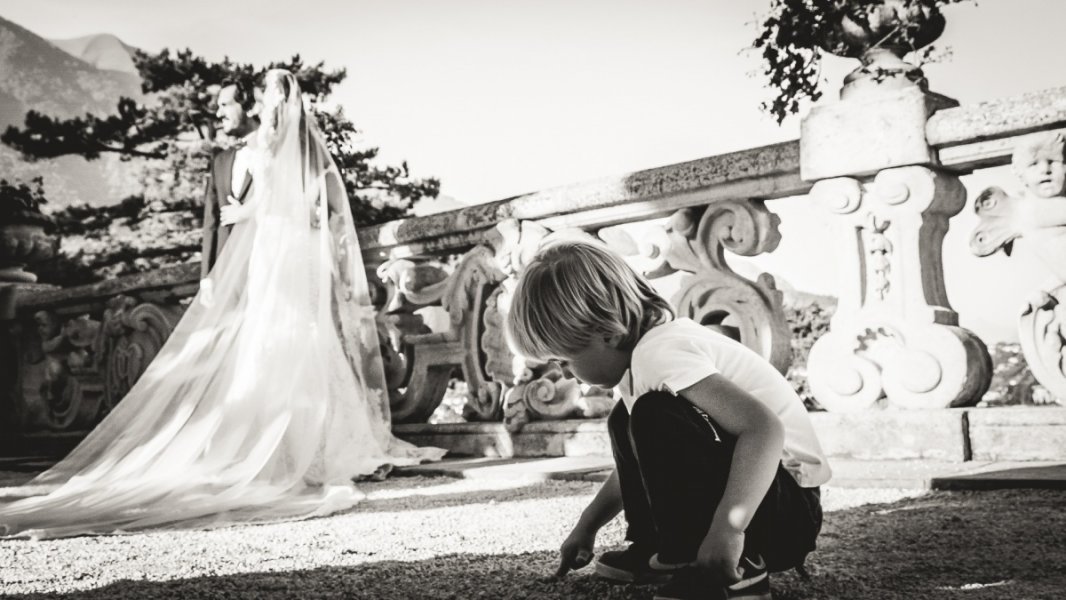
[440,538]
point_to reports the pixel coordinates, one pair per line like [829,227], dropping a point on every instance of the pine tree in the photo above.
[171,135]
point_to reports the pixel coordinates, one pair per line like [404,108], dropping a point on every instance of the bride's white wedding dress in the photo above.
[266,401]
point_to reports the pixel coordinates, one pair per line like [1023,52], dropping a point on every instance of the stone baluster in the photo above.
[894,339]
[420,362]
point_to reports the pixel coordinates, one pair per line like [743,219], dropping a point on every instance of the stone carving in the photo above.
[533,390]
[695,240]
[131,335]
[1038,216]
[475,292]
[878,250]
[62,388]
[544,392]
[894,339]
[431,357]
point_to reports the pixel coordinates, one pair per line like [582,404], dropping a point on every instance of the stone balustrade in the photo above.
[74,353]
[70,354]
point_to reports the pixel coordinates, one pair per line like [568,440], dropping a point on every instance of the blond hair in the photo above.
[574,290]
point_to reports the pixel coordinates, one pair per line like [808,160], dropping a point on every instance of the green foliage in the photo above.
[172,136]
[808,323]
[1013,383]
[796,32]
[22,202]
[133,236]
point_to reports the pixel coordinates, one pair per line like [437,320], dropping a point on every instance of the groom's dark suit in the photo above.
[219,189]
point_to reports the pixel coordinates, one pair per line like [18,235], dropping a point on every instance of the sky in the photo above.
[503,97]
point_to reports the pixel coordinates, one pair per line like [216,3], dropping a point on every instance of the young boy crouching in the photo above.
[717,465]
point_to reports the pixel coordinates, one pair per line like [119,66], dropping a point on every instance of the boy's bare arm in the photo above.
[605,506]
[760,438]
[576,551]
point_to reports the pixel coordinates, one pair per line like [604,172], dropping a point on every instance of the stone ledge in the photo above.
[1018,433]
[638,186]
[568,468]
[945,436]
[847,473]
[1006,475]
[1003,117]
[167,277]
[543,439]
[894,435]
[964,129]
[935,436]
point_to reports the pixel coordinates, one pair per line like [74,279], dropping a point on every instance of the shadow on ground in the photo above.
[946,545]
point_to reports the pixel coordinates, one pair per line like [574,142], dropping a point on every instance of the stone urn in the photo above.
[26,237]
[880,35]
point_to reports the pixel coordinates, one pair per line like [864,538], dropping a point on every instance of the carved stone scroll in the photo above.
[131,335]
[695,241]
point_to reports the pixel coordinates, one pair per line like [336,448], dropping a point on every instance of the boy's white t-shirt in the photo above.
[676,355]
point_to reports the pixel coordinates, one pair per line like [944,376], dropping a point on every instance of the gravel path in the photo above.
[419,537]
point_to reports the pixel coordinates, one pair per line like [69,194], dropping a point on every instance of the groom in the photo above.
[230,178]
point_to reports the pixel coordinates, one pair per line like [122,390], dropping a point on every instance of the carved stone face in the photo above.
[1038,161]
[47,327]
[1045,177]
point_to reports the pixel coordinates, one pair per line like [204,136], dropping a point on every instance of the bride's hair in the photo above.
[282,104]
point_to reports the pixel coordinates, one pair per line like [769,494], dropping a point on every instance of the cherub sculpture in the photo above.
[1038,216]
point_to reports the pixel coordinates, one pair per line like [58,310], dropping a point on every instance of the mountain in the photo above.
[430,206]
[40,75]
[103,51]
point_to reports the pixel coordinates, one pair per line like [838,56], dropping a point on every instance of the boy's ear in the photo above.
[614,341]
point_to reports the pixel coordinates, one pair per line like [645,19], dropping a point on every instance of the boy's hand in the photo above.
[576,551]
[720,554]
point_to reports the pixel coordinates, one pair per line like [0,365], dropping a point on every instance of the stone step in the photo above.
[1020,433]
[1007,475]
[571,468]
[847,473]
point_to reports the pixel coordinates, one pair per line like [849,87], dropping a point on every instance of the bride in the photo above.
[268,399]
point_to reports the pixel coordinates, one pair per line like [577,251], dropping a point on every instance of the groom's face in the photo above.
[230,113]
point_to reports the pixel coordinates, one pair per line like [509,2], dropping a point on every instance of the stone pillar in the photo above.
[894,340]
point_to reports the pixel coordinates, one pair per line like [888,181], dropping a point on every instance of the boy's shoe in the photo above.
[693,584]
[755,584]
[630,566]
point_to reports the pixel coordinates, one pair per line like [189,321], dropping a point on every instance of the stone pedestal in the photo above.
[865,135]
[894,340]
